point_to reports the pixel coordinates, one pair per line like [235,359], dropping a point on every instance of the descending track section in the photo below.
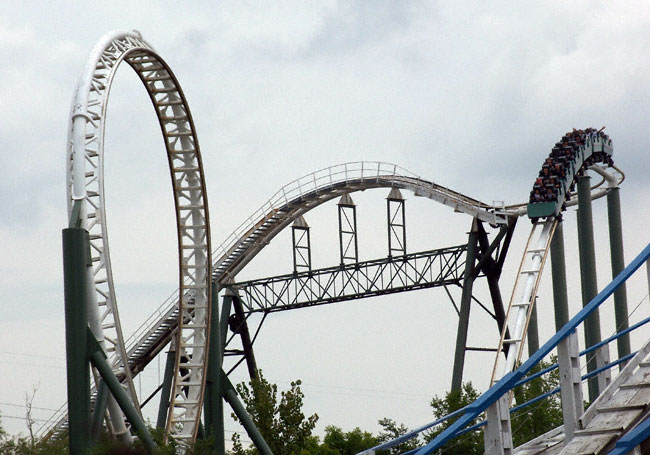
[306,193]
[523,296]
[85,182]
[291,201]
[576,152]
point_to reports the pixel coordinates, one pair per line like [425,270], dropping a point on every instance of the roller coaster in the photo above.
[194,324]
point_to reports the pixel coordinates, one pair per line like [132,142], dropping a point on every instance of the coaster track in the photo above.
[186,320]
[592,149]
[85,182]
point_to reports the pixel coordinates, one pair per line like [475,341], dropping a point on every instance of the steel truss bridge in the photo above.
[201,330]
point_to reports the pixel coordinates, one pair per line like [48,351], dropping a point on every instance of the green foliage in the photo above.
[467,444]
[339,442]
[282,424]
[19,445]
[390,431]
[526,424]
[537,418]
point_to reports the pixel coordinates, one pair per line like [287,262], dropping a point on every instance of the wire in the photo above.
[22,418]
[25,406]
[32,355]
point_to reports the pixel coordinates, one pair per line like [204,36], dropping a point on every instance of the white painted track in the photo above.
[85,182]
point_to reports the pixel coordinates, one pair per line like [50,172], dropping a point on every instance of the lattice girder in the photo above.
[85,181]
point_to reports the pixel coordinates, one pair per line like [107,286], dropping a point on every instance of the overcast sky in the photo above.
[470,96]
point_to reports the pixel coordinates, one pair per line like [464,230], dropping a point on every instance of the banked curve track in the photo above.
[85,182]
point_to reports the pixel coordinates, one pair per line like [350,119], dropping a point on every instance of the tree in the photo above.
[467,444]
[537,418]
[339,442]
[390,431]
[526,424]
[282,424]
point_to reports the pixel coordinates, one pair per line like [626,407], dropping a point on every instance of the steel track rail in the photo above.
[524,292]
[85,181]
[294,199]
[291,201]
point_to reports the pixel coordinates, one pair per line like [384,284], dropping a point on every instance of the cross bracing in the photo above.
[421,270]
[186,315]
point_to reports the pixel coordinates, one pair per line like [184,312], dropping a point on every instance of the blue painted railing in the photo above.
[506,383]
[516,378]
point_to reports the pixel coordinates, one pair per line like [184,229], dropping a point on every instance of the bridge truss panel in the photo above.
[353,281]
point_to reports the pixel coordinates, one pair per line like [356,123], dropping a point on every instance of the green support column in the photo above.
[618,264]
[213,409]
[99,412]
[588,279]
[532,334]
[558,273]
[98,359]
[465,302]
[165,392]
[76,258]
[230,395]
[246,341]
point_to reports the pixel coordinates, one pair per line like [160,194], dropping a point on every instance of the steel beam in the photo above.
[239,325]
[354,281]
[76,259]
[99,411]
[165,392]
[465,302]
[492,268]
[348,244]
[213,410]
[558,273]
[395,210]
[230,395]
[98,359]
[618,264]
[588,278]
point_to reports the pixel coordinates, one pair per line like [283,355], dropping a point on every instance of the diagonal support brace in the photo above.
[98,359]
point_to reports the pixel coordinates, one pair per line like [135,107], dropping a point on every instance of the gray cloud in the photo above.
[471,96]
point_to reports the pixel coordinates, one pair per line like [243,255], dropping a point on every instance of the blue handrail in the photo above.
[634,265]
[511,378]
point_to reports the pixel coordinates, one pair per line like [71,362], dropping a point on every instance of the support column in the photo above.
[230,395]
[570,384]
[301,245]
[99,412]
[492,267]
[348,245]
[213,410]
[618,264]
[558,273]
[76,258]
[465,302]
[98,359]
[165,392]
[532,335]
[588,279]
[396,223]
[497,438]
[239,325]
